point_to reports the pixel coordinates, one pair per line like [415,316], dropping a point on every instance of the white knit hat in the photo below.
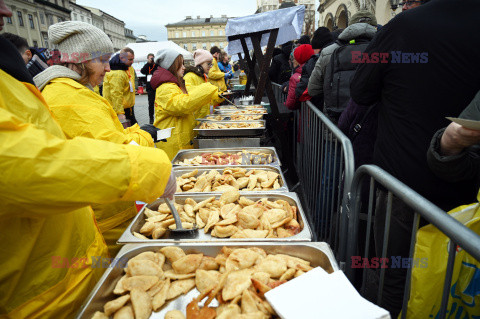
[201,55]
[165,58]
[79,41]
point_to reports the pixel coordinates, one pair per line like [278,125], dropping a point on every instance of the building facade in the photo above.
[200,33]
[129,36]
[79,13]
[31,19]
[115,29]
[310,8]
[337,13]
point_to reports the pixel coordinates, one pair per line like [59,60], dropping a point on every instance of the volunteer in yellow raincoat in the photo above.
[82,112]
[48,232]
[174,107]
[119,85]
[215,76]
[197,75]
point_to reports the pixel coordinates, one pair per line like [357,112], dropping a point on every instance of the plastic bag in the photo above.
[427,282]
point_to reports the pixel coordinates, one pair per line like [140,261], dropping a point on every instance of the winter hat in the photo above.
[200,56]
[165,58]
[321,38]
[79,41]
[302,53]
[304,39]
[364,16]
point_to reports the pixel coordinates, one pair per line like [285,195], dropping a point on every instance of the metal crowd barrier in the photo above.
[325,167]
[457,232]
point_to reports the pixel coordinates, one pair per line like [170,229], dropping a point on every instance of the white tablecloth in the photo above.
[288,20]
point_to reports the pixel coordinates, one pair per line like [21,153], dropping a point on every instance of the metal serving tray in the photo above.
[226,111]
[318,253]
[304,235]
[227,117]
[192,153]
[180,170]
[232,131]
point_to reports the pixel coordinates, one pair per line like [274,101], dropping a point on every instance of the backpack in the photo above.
[338,75]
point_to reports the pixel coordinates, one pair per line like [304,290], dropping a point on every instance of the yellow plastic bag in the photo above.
[427,283]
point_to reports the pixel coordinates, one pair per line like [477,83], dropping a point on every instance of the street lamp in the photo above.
[394,4]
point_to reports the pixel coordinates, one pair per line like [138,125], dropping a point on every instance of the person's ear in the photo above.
[29,54]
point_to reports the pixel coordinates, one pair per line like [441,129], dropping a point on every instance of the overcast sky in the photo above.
[149,17]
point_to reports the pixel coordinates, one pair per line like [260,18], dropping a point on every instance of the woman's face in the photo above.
[225,59]
[98,67]
[181,70]
[207,65]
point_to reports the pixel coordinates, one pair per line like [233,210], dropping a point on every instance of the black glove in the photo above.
[152,130]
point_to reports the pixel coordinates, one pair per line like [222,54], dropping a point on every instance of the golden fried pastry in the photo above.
[236,283]
[174,314]
[206,279]
[140,282]
[273,265]
[124,313]
[144,267]
[141,303]
[187,264]
[179,287]
[172,253]
[159,299]
[112,306]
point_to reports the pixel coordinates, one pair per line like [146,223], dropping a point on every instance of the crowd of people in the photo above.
[390,89]
[75,160]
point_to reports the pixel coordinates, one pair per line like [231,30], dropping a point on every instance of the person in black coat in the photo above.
[281,69]
[148,70]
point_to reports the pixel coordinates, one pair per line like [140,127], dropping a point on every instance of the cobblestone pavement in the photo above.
[141,109]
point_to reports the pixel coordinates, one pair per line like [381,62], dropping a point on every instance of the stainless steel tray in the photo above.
[226,117]
[318,253]
[304,235]
[234,132]
[227,111]
[180,170]
[192,153]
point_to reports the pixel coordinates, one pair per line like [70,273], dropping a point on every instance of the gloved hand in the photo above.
[171,187]
[152,130]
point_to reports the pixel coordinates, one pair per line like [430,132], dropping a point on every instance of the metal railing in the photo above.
[280,97]
[457,232]
[325,167]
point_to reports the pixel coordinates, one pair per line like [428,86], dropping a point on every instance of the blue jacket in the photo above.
[226,69]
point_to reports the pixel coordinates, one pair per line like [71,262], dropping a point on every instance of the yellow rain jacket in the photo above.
[82,112]
[173,108]
[217,77]
[119,89]
[193,80]
[48,234]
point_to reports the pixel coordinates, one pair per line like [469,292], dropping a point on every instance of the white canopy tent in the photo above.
[144,48]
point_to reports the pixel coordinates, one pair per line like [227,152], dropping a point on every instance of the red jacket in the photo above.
[292,103]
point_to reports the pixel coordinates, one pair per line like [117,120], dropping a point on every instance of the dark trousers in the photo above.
[130,115]
[401,223]
[151,105]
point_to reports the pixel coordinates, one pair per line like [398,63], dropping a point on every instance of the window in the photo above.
[221,45]
[50,19]
[204,46]
[212,33]
[59,19]
[184,34]
[194,47]
[42,18]
[220,32]
[20,18]
[212,44]
[82,18]
[176,35]
[75,17]
[88,20]
[9,20]
[35,44]
[30,20]
[185,46]
[193,33]
[203,33]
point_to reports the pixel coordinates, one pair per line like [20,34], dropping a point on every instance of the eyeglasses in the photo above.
[408,3]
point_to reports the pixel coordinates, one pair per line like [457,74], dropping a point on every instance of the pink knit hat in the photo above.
[200,56]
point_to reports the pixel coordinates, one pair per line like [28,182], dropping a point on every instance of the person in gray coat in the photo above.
[363,25]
